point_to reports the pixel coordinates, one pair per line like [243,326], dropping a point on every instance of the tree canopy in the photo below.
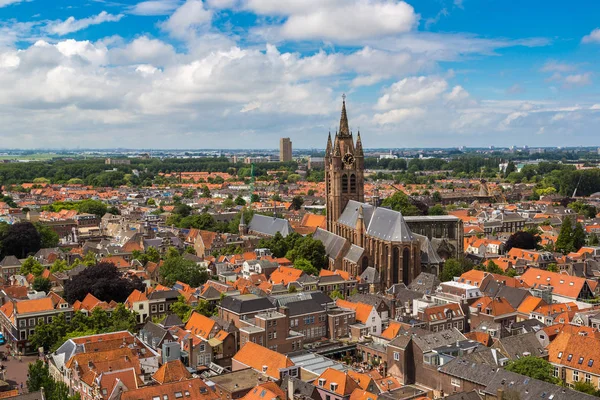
[533,367]
[399,201]
[104,281]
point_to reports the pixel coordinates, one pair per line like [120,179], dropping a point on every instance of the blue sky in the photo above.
[242,73]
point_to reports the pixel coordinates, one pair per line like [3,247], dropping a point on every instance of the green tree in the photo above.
[178,268]
[533,367]
[564,242]
[59,266]
[336,294]
[292,289]
[276,197]
[254,198]
[585,387]
[552,267]
[401,202]
[594,241]
[306,266]
[91,206]
[452,268]
[297,202]
[309,249]
[578,236]
[206,192]
[436,210]
[42,284]
[493,268]
[48,237]
[240,201]
[436,197]
[181,308]
[122,319]
[510,168]
[30,265]
[39,377]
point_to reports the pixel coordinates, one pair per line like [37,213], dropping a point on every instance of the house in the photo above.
[493,315]
[333,384]
[563,288]
[517,346]
[19,318]
[187,388]
[368,321]
[575,357]
[245,306]
[274,365]
[442,317]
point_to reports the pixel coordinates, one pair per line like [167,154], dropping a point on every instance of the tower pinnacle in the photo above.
[344,129]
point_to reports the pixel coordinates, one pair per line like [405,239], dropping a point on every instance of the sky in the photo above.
[199,74]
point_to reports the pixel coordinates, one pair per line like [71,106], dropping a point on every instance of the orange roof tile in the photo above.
[345,384]
[257,356]
[171,371]
[200,325]
[362,310]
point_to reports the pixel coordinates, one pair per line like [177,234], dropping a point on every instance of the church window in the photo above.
[352,183]
[344,183]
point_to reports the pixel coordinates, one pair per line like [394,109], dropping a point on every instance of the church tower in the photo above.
[344,171]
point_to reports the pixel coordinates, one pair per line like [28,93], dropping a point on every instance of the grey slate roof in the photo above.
[303,307]
[370,275]
[317,296]
[163,294]
[528,388]
[470,370]
[10,261]
[171,320]
[354,254]
[428,254]
[464,396]
[350,214]
[269,225]
[425,283]
[332,242]
[517,346]
[246,303]
[153,334]
[389,225]
[437,339]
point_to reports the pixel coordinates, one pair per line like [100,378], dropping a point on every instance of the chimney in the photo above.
[500,394]
[290,388]
[190,351]
[264,369]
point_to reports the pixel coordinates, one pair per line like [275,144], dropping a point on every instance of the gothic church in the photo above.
[361,235]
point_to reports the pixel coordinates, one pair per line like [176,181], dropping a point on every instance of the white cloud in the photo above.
[155,7]
[555,66]
[337,20]
[399,115]
[593,37]
[188,19]
[515,89]
[4,3]
[595,107]
[579,79]
[412,91]
[71,24]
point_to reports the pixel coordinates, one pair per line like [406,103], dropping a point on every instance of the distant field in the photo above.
[33,157]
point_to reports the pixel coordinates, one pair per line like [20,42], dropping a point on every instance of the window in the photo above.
[559,356]
[161,307]
[590,363]
[575,376]
[569,357]
[153,308]
[22,323]
[396,356]
[588,378]
[31,321]
[555,373]
[455,382]
[580,360]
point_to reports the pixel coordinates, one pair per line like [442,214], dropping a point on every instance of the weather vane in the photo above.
[344,96]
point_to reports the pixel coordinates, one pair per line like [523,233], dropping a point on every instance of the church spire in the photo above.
[337,152]
[359,148]
[329,146]
[344,129]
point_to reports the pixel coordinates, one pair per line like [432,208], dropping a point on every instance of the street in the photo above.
[15,371]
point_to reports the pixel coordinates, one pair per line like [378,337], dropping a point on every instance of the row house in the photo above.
[444,317]
[562,288]
[368,321]
[574,357]
[93,366]
[272,330]
[493,315]
[19,318]
[273,364]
